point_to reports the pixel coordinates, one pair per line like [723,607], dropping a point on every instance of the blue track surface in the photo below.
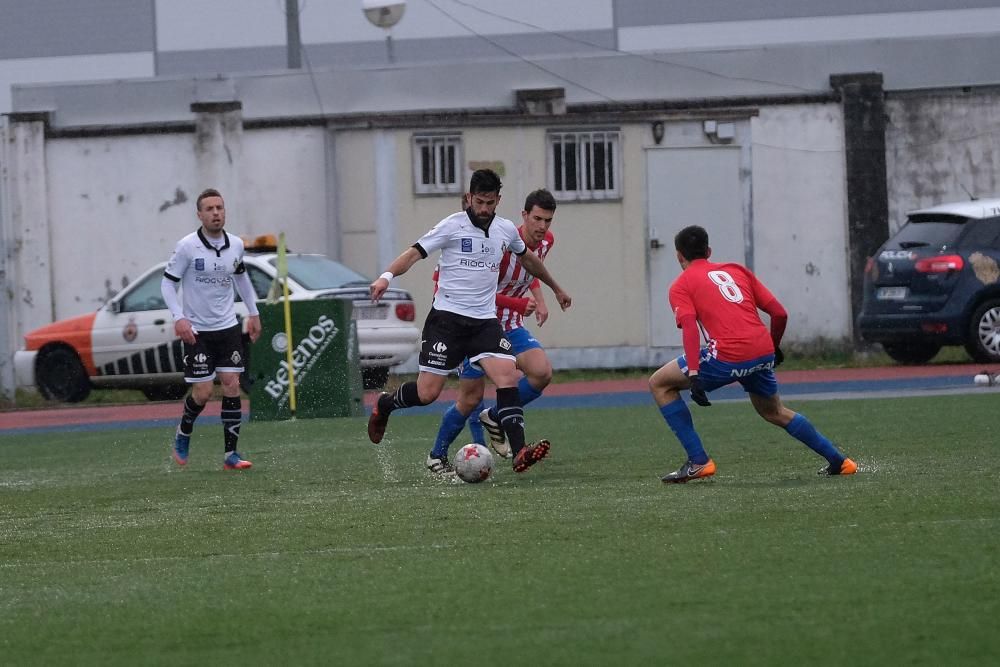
[789,391]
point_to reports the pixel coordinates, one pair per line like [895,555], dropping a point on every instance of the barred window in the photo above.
[585,165]
[437,164]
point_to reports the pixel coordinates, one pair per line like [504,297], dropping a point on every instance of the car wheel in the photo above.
[61,376]
[912,352]
[374,377]
[165,392]
[983,341]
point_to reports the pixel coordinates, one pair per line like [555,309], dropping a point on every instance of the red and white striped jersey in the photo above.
[514,283]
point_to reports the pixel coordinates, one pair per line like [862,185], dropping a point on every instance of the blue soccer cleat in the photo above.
[234,461]
[181,444]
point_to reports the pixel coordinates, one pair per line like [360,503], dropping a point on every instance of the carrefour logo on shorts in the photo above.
[466,245]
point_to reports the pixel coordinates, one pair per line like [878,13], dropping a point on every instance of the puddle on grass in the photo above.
[384,456]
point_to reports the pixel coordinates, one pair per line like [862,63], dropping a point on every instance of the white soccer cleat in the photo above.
[497,440]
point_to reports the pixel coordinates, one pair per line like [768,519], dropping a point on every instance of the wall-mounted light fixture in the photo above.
[658,131]
[719,133]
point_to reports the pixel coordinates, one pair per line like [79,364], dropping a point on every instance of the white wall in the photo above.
[120,204]
[284,188]
[800,216]
[598,255]
[941,147]
[26,229]
[116,206]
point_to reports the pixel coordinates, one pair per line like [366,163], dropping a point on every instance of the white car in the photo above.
[130,341]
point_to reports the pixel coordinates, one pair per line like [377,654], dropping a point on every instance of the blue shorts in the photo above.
[520,339]
[756,375]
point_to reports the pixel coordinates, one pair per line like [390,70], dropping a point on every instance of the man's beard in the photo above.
[480,220]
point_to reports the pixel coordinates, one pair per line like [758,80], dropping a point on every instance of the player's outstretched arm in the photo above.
[399,266]
[535,267]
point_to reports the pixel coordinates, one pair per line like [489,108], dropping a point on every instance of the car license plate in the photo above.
[369,313]
[890,293]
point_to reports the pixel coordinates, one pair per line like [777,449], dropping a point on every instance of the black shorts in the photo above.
[449,338]
[214,351]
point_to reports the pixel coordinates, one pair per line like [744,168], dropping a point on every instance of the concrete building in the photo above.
[795,132]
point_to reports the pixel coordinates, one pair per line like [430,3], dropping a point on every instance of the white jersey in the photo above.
[470,262]
[206,277]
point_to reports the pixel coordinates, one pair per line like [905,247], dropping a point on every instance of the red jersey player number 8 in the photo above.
[727,286]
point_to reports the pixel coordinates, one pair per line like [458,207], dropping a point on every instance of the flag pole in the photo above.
[283,277]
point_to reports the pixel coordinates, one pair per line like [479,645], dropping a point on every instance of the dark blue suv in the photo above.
[937,282]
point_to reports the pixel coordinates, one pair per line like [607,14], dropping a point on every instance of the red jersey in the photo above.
[724,299]
[515,282]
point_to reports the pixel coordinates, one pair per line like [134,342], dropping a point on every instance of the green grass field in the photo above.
[333,551]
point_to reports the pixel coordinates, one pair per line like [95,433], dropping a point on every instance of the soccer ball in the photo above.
[473,464]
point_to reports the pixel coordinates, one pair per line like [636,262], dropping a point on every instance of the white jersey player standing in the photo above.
[208,263]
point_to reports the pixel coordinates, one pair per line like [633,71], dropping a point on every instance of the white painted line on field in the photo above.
[364,549]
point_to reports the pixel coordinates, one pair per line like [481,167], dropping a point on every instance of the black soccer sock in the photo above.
[191,412]
[510,414]
[405,396]
[232,414]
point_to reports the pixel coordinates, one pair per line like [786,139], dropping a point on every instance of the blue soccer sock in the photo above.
[476,426]
[526,392]
[452,424]
[802,430]
[679,420]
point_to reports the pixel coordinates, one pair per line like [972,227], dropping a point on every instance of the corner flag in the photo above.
[281,278]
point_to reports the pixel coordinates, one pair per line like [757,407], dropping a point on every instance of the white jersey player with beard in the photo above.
[470,262]
[462,322]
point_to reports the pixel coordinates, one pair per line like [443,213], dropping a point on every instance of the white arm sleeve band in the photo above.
[245,289]
[169,290]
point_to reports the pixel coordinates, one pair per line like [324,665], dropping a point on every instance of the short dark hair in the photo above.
[692,243]
[541,198]
[484,180]
[209,192]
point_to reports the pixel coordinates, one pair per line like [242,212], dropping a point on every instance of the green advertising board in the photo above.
[324,362]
